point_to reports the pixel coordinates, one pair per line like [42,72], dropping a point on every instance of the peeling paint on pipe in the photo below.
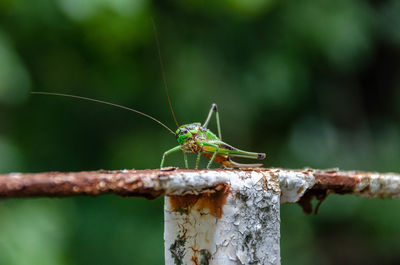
[154,183]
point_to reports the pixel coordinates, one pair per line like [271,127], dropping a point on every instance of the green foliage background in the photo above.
[311,83]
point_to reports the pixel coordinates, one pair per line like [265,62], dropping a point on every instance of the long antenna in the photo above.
[163,71]
[107,103]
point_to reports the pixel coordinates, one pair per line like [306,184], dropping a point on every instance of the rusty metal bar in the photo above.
[138,183]
[153,183]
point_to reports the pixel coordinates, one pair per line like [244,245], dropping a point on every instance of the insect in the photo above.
[193,137]
[196,138]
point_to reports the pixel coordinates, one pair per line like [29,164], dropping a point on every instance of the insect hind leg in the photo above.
[213,156]
[214,108]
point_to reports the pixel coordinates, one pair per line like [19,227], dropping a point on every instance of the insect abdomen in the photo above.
[225,161]
[221,159]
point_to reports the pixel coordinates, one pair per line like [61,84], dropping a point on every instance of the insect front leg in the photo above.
[198,160]
[185,159]
[198,157]
[170,151]
[214,108]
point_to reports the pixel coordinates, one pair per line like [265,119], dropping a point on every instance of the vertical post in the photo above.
[237,224]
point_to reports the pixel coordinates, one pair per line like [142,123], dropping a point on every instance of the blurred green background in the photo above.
[311,83]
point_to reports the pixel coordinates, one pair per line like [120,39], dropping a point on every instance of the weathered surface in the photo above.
[140,183]
[293,183]
[239,224]
[152,183]
[367,184]
[212,216]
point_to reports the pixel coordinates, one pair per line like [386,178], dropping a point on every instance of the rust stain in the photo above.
[336,182]
[194,258]
[306,200]
[327,182]
[205,256]
[183,203]
[300,190]
[211,201]
[206,238]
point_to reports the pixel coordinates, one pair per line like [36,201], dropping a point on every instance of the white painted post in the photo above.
[235,217]
[239,224]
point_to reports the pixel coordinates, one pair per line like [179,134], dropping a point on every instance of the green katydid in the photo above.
[193,137]
[196,138]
